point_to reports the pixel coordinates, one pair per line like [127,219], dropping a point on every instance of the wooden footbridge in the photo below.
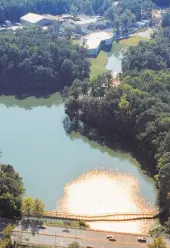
[106,217]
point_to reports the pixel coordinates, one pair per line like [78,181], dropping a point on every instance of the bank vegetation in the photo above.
[137,112]
[34,60]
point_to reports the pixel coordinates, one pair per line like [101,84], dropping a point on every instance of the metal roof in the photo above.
[93,40]
[32,18]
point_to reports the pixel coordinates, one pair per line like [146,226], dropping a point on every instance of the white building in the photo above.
[93,46]
[32,18]
[94,41]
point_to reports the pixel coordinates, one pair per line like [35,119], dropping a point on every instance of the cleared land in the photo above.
[133,40]
[98,64]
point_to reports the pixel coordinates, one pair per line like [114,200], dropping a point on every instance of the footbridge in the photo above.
[105,217]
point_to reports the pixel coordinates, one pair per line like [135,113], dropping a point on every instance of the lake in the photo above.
[69,172]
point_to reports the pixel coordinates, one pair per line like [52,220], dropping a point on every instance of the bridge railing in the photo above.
[102,217]
[99,216]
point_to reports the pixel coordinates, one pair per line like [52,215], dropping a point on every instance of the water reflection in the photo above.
[105,192]
[115,56]
[31,102]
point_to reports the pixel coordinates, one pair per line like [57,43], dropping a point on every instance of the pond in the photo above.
[114,57]
[69,172]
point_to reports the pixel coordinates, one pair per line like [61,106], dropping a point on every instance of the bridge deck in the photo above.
[106,217]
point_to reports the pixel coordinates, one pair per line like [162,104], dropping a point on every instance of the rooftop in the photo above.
[31,17]
[92,44]
[94,39]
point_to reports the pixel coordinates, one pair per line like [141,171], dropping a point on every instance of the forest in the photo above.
[152,55]
[136,112]
[14,9]
[35,60]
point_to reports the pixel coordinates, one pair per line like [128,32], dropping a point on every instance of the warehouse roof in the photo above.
[92,44]
[32,18]
[93,40]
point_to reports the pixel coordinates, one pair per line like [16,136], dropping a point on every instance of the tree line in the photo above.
[14,9]
[152,55]
[137,111]
[36,60]
[11,191]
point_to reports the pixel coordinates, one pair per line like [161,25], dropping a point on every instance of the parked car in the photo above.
[112,239]
[66,230]
[109,236]
[141,239]
[89,246]
[42,227]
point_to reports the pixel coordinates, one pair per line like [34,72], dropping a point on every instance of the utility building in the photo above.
[32,18]
[94,41]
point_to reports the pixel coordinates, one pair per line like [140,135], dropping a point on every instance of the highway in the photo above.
[56,236]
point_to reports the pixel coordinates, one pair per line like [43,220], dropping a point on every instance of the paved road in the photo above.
[84,237]
[56,236]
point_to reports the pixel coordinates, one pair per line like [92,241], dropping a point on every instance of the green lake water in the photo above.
[34,141]
[114,62]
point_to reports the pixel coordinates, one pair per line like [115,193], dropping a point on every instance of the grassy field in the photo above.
[98,64]
[133,41]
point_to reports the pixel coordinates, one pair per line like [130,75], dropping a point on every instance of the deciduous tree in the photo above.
[27,207]
[157,243]
[38,208]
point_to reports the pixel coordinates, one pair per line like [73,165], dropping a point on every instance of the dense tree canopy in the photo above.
[14,9]
[136,111]
[138,9]
[11,190]
[33,59]
[124,14]
[153,55]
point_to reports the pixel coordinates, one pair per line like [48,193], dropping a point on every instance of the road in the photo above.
[84,237]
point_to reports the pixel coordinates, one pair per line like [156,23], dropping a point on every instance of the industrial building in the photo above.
[36,19]
[94,41]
